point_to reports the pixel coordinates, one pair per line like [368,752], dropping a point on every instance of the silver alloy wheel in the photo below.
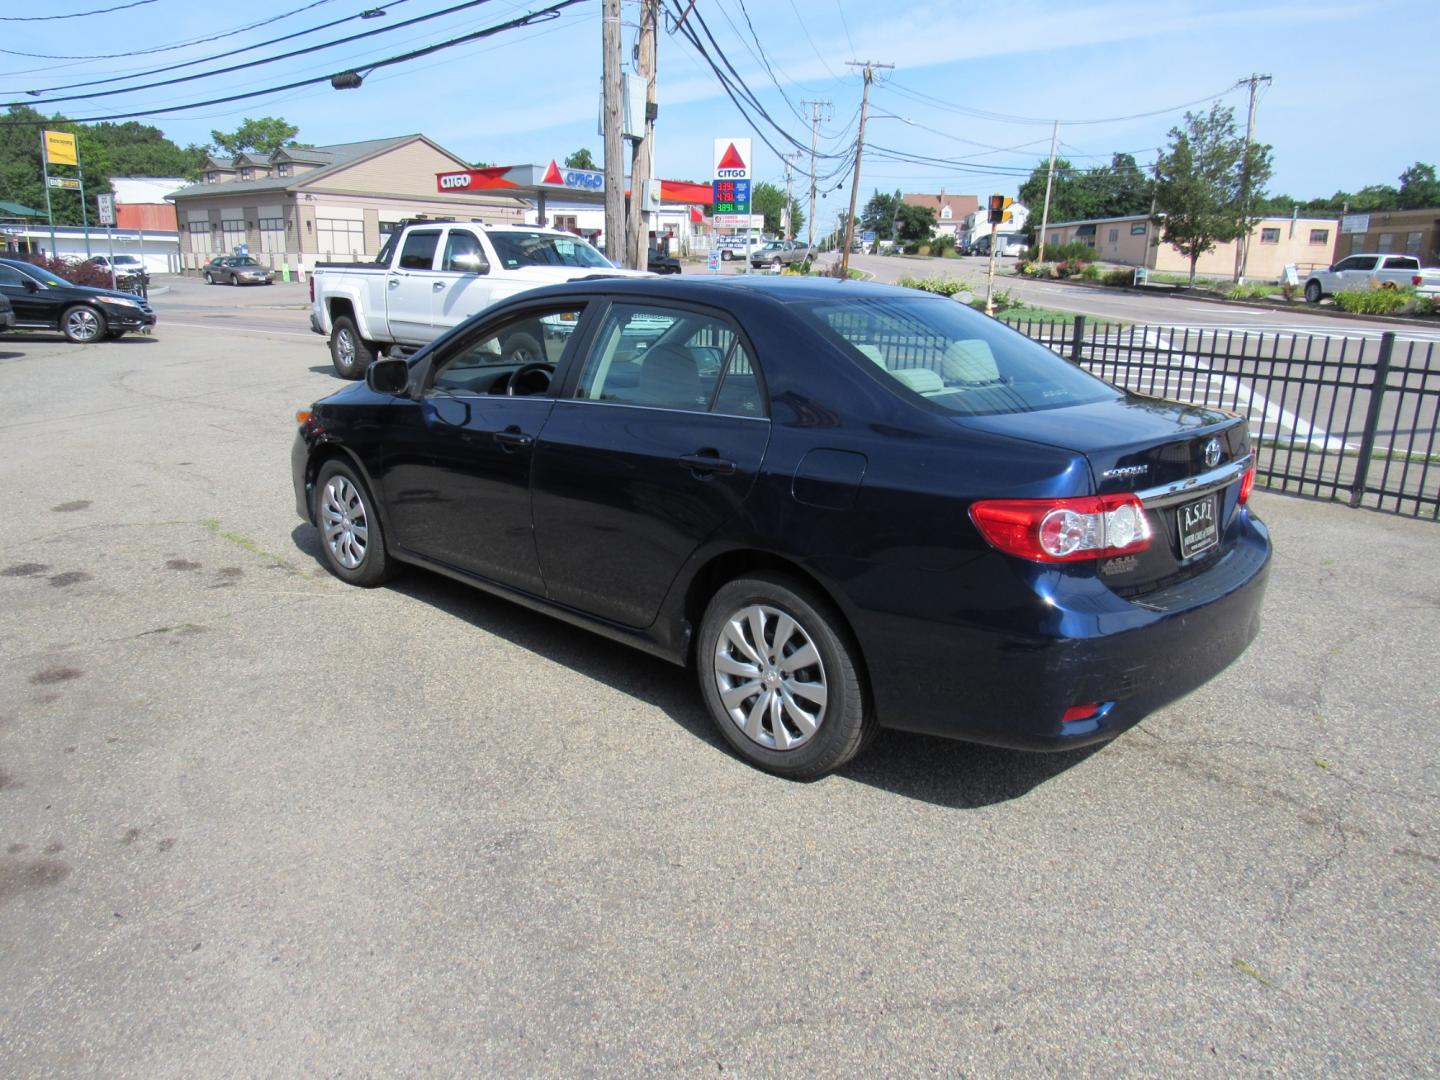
[770,677]
[344,522]
[82,324]
[345,346]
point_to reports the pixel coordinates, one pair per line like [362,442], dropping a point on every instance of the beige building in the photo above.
[299,206]
[1398,232]
[1275,242]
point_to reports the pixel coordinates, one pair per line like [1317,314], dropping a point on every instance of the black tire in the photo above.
[522,348]
[351,510]
[725,255]
[82,324]
[209,279]
[845,718]
[1312,292]
[350,353]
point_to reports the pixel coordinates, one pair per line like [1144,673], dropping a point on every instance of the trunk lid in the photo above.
[1184,460]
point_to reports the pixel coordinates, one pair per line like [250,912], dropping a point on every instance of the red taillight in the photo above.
[1064,530]
[1246,484]
[312,288]
[1416,280]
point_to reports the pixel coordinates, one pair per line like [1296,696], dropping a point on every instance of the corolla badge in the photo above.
[1124,471]
[1212,453]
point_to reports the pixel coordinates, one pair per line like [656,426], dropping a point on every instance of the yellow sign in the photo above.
[60,148]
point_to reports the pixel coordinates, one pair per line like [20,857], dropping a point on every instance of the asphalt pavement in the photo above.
[258,823]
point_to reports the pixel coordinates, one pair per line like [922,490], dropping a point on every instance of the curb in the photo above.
[1308,309]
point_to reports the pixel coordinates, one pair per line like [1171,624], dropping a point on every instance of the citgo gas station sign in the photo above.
[499,178]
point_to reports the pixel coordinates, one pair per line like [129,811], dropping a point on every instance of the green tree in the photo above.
[1114,190]
[879,214]
[1418,187]
[769,200]
[581,159]
[915,224]
[135,149]
[264,136]
[1200,182]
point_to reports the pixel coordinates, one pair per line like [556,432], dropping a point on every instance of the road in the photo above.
[255,822]
[1129,307]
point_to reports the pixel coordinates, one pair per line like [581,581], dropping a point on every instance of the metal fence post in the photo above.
[1372,417]
[1078,340]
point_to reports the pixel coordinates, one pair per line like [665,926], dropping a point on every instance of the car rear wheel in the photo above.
[1312,292]
[349,353]
[778,672]
[351,539]
[82,324]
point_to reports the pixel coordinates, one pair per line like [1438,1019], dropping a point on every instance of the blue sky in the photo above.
[1349,105]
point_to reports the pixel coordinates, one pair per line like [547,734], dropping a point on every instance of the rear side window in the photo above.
[952,357]
[1402,263]
[670,359]
[419,250]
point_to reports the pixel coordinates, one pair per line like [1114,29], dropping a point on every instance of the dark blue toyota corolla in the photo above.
[846,506]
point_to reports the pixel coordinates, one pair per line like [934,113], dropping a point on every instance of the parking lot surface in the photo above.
[256,822]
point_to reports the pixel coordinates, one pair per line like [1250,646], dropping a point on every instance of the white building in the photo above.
[159,249]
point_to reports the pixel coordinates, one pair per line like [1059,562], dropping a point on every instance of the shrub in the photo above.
[1424,305]
[1070,268]
[1002,300]
[1289,291]
[1075,251]
[1118,277]
[77,273]
[1090,272]
[943,286]
[1374,301]
[1250,290]
[944,244]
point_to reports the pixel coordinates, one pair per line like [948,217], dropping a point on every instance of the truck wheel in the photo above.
[348,351]
[1312,292]
[725,255]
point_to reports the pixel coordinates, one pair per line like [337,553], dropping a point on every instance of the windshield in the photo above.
[245,262]
[515,249]
[126,260]
[953,357]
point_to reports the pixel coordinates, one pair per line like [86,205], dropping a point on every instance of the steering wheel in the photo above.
[526,369]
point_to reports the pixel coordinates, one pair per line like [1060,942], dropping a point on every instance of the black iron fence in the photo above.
[1354,419]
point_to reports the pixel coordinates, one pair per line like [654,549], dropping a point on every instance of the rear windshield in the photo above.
[953,357]
[516,249]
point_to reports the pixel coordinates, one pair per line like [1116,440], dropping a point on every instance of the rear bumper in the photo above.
[1131,657]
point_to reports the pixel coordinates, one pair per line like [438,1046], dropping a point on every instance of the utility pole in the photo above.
[869,67]
[1049,183]
[614,162]
[786,219]
[642,163]
[1242,248]
[817,108]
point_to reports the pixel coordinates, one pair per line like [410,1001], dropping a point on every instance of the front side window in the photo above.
[952,357]
[671,359]
[1269,236]
[419,250]
[1363,262]
[486,365]
[516,249]
[463,253]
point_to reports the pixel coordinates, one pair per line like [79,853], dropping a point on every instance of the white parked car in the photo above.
[1371,271]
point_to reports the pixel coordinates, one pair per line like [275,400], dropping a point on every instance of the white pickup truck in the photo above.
[1371,271]
[432,275]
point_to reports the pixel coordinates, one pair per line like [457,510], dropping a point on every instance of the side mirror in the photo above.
[388,376]
[31,285]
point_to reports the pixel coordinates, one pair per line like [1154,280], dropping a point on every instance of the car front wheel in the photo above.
[209,278]
[351,539]
[778,672]
[82,324]
[1312,292]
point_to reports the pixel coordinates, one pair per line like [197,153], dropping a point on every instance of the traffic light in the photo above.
[1000,209]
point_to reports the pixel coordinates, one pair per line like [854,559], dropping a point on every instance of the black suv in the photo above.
[658,262]
[43,301]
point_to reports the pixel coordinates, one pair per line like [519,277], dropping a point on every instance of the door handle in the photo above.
[394,283]
[437,286]
[512,438]
[707,463]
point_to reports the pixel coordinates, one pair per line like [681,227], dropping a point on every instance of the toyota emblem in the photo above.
[1212,453]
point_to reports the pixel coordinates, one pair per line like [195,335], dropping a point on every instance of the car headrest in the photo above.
[669,378]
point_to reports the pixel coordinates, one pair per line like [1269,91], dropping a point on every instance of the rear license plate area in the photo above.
[1197,526]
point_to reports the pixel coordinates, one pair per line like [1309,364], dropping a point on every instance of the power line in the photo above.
[369,13]
[74,14]
[262,60]
[1007,118]
[164,48]
[529,19]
